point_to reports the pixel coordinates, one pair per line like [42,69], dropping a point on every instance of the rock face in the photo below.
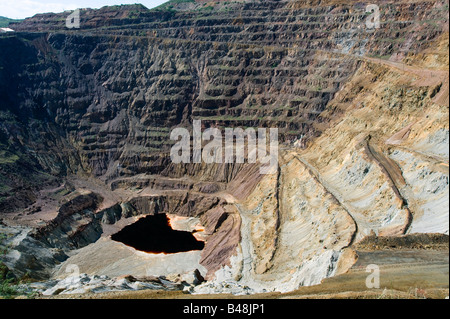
[82,283]
[110,96]
[293,230]
[28,255]
[86,116]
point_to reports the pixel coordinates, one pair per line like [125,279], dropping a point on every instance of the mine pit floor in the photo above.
[404,274]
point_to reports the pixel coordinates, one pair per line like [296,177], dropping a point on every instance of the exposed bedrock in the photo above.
[79,224]
[108,94]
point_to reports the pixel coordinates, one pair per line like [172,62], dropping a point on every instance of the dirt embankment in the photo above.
[410,241]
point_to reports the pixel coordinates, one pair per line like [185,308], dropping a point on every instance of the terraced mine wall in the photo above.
[109,95]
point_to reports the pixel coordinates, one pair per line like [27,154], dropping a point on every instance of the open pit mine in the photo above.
[357,205]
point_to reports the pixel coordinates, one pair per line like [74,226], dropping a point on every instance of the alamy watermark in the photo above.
[373,19]
[74,270]
[373,280]
[221,148]
[73,20]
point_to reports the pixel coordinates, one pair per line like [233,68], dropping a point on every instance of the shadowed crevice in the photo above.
[153,234]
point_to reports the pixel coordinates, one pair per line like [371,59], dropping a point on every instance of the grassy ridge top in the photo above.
[169,4]
[4,21]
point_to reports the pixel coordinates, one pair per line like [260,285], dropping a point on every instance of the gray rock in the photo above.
[84,283]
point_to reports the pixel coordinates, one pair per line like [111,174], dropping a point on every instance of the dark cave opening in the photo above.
[153,234]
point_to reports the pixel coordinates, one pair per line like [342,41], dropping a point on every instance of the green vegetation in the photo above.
[207,8]
[157,133]
[169,4]
[227,118]
[4,22]
[7,157]
[4,189]
[7,288]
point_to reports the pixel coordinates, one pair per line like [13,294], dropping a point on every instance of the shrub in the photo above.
[7,287]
